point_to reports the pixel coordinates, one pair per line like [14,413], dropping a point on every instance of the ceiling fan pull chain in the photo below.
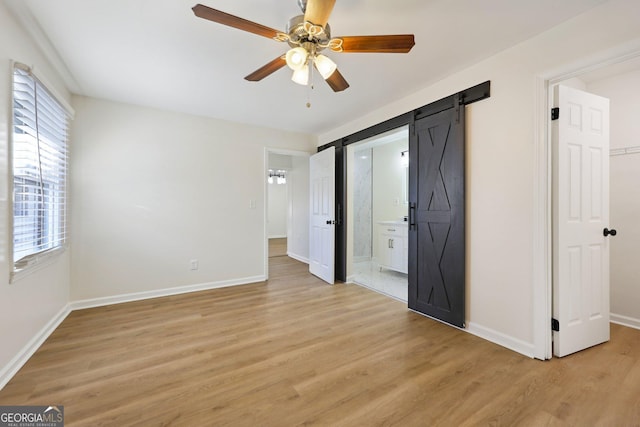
[310,85]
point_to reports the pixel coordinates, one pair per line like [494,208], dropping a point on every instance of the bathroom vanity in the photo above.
[393,245]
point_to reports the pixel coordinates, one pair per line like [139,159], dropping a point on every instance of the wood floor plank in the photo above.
[277,247]
[295,351]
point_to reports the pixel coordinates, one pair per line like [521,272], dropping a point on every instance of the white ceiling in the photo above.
[157,53]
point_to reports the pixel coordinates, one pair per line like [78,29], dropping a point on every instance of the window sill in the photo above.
[36,263]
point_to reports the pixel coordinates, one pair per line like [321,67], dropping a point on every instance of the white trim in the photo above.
[23,356]
[37,262]
[278,236]
[627,321]
[542,253]
[519,346]
[541,228]
[265,211]
[139,296]
[298,257]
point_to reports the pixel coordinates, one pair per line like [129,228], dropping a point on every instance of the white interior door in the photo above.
[580,215]
[321,224]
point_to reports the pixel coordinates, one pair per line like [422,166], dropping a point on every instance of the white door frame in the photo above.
[265,227]
[542,237]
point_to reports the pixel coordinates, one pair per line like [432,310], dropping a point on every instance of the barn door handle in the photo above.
[606,232]
[412,216]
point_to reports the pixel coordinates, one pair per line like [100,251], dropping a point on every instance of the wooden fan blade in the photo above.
[399,43]
[267,70]
[337,82]
[318,11]
[205,12]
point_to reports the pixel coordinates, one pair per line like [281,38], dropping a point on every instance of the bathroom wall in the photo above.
[389,180]
[362,204]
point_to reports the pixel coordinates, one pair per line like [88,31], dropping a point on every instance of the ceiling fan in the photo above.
[308,35]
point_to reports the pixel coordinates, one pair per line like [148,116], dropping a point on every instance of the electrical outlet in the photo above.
[193,264]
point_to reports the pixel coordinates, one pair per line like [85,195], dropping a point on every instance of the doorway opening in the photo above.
[280,166]
[377,195]
[286,216]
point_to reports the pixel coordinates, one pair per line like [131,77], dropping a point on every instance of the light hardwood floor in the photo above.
[277,247]
[294,351]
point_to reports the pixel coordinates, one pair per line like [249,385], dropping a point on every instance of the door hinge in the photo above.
[555,113]
[555,325]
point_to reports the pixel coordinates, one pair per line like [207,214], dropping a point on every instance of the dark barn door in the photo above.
[436,211]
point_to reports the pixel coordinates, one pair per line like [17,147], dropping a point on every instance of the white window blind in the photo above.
[40,138]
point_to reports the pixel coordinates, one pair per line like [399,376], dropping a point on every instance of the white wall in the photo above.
[298,213]
[280,161]
[501,154]
[155,189]
[277,210]
[277,200]
[31,303]
[623,91]
[388,186]
[389,175]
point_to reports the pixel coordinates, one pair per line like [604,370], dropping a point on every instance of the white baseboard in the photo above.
[298,257]
[23,356]
[499,338]
[624,321]
[8,371]
[12,368]
[278,236]
[139,296]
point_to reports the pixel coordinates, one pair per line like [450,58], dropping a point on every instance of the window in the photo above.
[39,149]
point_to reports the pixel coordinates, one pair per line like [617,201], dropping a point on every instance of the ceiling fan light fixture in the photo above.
[325,66]
[297,58]
[301,76]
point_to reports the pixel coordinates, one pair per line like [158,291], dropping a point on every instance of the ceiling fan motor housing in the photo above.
[298,35]
[307,38]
